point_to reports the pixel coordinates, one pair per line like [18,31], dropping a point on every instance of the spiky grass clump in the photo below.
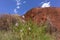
[27,31]
[24,31]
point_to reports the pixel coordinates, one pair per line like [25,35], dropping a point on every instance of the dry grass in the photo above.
[27,31]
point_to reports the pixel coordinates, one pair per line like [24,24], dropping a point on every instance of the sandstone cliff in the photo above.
[41,15]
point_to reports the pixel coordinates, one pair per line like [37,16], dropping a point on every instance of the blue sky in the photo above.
[8,6]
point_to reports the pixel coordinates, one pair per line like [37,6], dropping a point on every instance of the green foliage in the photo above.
[27,31]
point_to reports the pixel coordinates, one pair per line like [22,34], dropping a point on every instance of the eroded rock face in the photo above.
[53,16]
[36,15]
[40,15]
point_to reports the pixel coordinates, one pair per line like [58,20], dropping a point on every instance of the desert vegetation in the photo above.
[12,27]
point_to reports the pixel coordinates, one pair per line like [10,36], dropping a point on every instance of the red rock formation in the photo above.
[53,16]
[40,15]
[36,15]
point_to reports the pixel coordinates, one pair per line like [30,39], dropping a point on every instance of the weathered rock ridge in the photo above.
[40,15]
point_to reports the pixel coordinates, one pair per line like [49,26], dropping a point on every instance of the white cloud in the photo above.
[24,1]
[15,10]
[18,3]
[18,0]
[47,4]
[18,7]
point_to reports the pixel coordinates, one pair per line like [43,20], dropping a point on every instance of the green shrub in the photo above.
[24,31]
[27,31]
